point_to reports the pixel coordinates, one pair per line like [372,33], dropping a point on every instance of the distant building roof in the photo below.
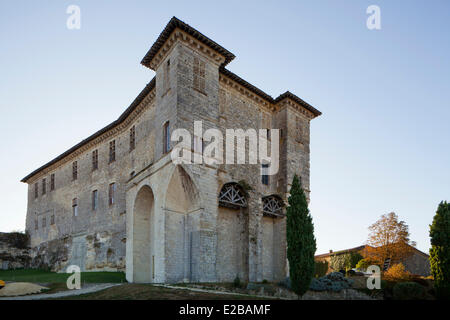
[356,249]
[332,253]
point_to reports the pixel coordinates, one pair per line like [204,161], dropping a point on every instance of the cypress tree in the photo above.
[300,239]
[440,251]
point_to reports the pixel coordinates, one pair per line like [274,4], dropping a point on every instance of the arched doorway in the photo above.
[273,235]
[182,216]
[232,233]
[143,256]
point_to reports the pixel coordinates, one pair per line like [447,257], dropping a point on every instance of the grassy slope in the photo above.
[42,276]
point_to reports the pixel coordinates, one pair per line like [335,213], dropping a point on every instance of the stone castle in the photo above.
[116,201]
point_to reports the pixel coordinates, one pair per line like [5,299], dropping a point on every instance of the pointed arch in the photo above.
[233,196]
[182,195]
[273,206]
[182,211]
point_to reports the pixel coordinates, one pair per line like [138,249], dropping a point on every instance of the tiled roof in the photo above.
[246,84]
[177,23]
[122,117]
[267,97]
[301,102]
[324,255]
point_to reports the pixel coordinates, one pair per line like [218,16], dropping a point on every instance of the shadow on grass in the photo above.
[43,276]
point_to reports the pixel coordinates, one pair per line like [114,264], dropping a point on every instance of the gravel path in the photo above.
[87,288]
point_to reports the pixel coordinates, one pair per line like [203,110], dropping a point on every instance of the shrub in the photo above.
[339,261]
[363,264]
[345,261]
[301,244]
[408,291]
[237,282]
[422,281]
[355,257]
[440,251]
[320,268]
[334,281]
[285,283]
[351,272]
[397,273]
[318,285]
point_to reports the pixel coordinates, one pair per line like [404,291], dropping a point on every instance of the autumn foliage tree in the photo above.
[389,238]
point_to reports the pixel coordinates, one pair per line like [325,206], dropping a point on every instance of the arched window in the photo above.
[273,206]
[232,196]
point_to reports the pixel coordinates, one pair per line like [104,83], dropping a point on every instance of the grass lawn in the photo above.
[42,276]
[132,291]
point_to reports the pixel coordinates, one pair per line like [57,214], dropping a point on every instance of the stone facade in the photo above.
[166,223]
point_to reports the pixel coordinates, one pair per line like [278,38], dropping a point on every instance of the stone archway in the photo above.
[143,255]
[182,218]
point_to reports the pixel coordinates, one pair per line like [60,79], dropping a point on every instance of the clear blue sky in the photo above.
[381,145]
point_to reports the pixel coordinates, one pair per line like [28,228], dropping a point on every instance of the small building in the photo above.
[416,263]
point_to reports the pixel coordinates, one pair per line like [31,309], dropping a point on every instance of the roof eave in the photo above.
[296,99]
[121,118]
[175,23]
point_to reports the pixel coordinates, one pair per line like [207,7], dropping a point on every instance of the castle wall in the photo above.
[186,235]
[99,235]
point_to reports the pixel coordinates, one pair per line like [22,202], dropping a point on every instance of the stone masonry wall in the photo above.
[191,237]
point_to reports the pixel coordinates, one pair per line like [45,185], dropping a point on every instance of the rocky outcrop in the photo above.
[14,251]
[52,255]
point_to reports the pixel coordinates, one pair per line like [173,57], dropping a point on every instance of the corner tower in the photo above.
[187,66]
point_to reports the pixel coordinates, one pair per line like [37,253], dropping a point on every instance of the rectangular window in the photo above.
[265,177]
[198,144]
[44,222]
[52,182]
[75,170]
[52,219]
[44,186]
[36,224]
[94,200]
[132,138]
[266,124]
[75,207]
[166,76]
[94,160]
[199,75]
[112,151]
[298,124]
[36,190]
[112,191]
[166,137]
